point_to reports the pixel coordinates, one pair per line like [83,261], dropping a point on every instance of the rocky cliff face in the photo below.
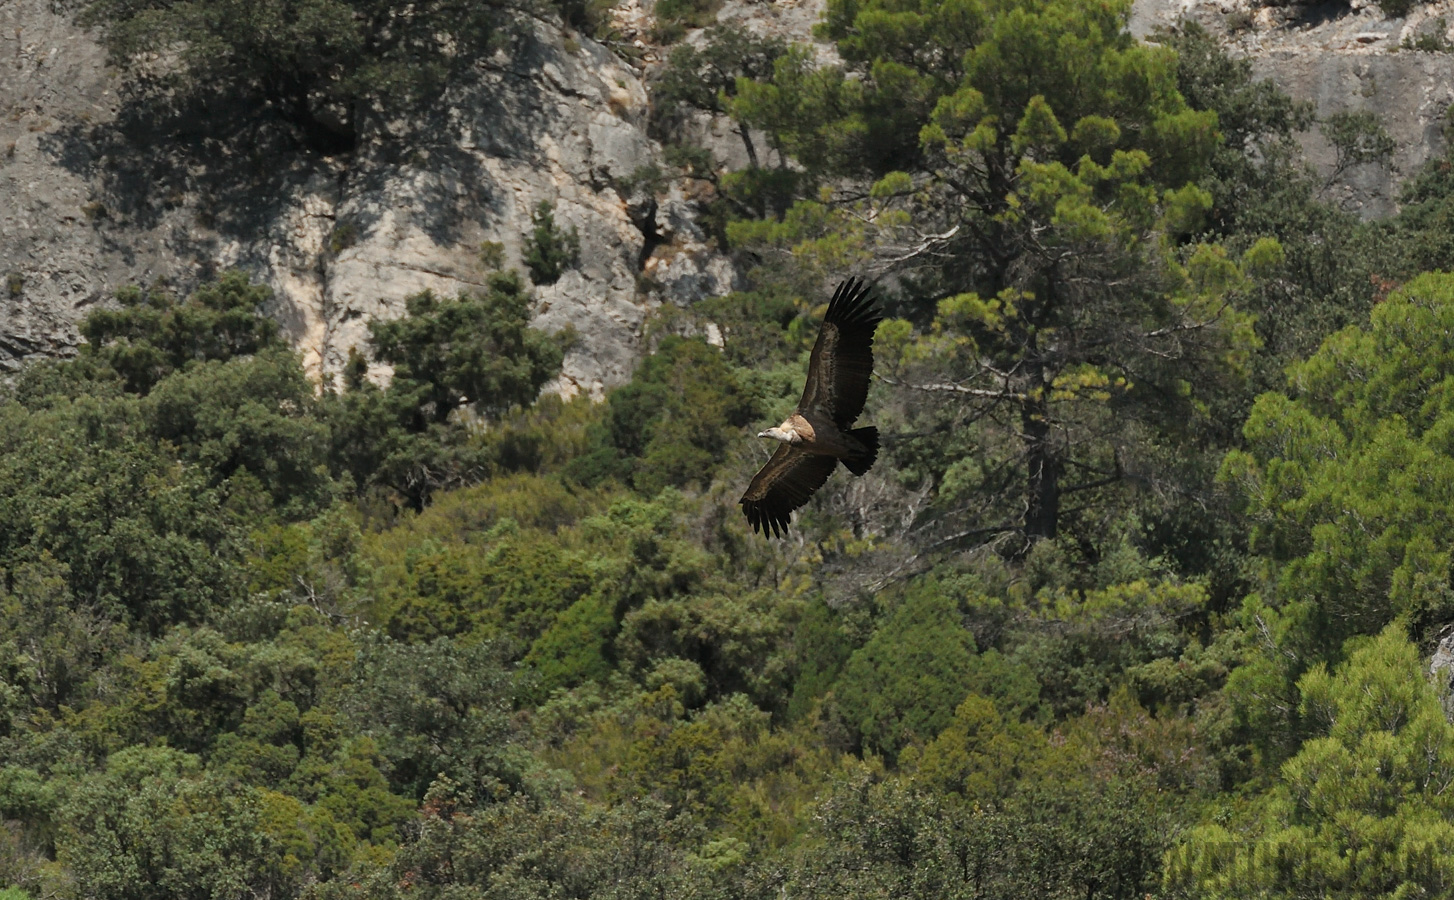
[1344,57]
[93,200]
[91,197]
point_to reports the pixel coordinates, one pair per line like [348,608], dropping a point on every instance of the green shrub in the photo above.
[550,249]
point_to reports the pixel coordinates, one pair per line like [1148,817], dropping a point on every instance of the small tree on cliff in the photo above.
[317,63]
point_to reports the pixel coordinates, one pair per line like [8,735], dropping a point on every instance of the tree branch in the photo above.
[949,387]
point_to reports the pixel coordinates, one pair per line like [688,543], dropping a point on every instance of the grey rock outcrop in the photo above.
[55,254]
[1441,672]
[90,203]
[1342,58]
[91,198]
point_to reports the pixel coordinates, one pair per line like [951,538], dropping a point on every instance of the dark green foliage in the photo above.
[477,350]
[454,360]
[903,685]
[732,640]
[1010,179]
[674,16]
[142,538]
[438,710]
[821,646]
[320,64]
[154,335]
[429,636]
[575,649]
[519,850]
[756,328]
[1357,138]
[706,77]
[154,824]
[249,422]
[590,16]
[549,249]
[883,839]
[672,425]
[1421,229]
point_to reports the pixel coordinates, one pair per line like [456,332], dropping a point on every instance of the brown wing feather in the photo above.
[842,362]
[783,485]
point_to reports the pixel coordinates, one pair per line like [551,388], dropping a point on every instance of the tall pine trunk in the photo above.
[1042,470]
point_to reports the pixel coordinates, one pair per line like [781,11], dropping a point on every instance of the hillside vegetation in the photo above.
[1136,602]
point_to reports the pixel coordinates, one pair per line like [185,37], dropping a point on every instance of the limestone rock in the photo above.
[92,203]
[1441,671]
[1344,59]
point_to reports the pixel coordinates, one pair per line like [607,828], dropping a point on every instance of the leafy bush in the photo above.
[672,425]
[318,63]
[549,250]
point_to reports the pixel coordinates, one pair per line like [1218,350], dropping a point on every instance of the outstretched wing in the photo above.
[842,361]
[783,485]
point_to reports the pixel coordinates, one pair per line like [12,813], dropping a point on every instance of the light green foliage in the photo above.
[508,583]
[980,753]
[1347,477]
[1347,480]
[1035,203]
[1072,640]
[1362,810]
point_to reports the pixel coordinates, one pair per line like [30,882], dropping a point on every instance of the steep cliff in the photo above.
[1343,57]
[98,193]
[98,196]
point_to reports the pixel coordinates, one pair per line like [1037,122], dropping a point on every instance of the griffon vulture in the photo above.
[819,434]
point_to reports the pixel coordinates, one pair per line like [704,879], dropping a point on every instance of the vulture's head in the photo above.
[781,433]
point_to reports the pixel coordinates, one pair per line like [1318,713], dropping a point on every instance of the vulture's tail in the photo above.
[868,437]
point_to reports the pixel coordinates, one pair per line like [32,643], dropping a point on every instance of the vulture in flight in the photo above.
[819,432]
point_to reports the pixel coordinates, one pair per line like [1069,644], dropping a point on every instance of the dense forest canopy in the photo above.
[1137,601]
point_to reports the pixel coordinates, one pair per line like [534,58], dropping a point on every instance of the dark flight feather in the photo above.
[841,367]
[839,372]
[783,485]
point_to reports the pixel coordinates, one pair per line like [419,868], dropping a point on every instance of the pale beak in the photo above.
[763,434]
